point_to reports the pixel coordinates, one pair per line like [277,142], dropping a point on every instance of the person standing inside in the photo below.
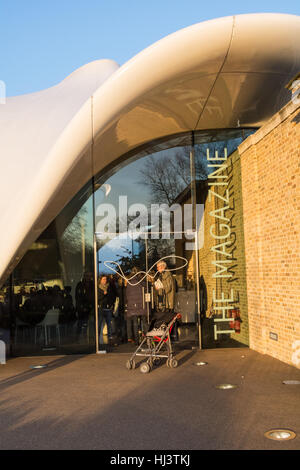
[165,295]
[106,301]
[119,313]
[165,287]
[136,310]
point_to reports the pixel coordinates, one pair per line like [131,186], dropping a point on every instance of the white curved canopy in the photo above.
[222,73]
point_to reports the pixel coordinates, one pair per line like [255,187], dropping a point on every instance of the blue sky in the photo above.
[43,41]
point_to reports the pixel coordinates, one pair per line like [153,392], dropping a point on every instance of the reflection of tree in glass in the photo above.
[169,175]
[216,149]
[160,248]
[157,249]
[129,259]
[75,234]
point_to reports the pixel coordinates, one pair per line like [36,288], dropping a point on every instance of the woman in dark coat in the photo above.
[106,301]
[136,306]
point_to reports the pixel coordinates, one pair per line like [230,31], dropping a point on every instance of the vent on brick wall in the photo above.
[273,336]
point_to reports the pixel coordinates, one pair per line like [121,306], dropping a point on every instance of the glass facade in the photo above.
[179,201]
[53,286]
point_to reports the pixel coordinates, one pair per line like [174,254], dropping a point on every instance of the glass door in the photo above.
[121,271]
[177,255]
[127,294]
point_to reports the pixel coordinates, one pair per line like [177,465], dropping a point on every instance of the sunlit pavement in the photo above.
[94,402]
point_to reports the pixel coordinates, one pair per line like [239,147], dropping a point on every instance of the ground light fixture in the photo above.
[291,382]
[226,386]
[280,434]
[39,366]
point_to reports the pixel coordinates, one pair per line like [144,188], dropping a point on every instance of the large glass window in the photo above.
[6,299]
[53,286]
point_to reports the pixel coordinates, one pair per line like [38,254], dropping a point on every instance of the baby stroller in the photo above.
[156,341]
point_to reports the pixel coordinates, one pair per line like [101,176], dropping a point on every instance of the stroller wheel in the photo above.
[150,362]
[130,365]
[173,363]
[145,368]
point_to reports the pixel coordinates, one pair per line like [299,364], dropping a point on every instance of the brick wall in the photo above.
[270,166]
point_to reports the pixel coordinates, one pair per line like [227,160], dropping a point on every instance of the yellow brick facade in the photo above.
[270,167]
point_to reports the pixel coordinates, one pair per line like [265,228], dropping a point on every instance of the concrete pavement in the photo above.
[94,402]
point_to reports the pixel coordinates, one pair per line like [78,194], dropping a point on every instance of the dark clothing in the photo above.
[160,317]
[105,314]
[121,294]
[107,301]
[134,298]
[67,314]
[165,298]
[119,315]
[84,296]
[106,305]
[132,324]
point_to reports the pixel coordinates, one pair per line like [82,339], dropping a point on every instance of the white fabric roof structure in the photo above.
[224,73]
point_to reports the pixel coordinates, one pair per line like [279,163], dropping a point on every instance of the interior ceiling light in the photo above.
[226,386]
[280,434]
[200,363]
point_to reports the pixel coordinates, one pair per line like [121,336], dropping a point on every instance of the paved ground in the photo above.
[93,402]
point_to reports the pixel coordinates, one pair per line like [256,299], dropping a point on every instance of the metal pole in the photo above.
[96,292]
[147,282]
[198,291]
[195,227]
[94,228]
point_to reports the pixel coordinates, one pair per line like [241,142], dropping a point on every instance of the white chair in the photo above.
[50,321]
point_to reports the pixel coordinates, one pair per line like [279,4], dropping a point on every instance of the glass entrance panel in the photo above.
[143,214]
[128,269]
[121,267]
[177,251]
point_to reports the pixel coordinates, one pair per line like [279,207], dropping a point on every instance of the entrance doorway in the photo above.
[127,263]
[196,185]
